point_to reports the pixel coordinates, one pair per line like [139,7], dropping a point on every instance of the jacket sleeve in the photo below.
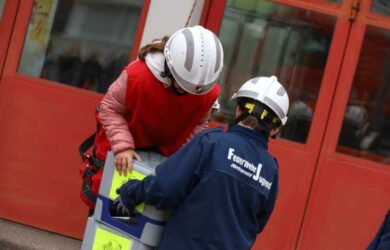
[174,178]
[112,115]
[269,207]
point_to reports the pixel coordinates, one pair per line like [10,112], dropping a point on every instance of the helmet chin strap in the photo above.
[167,74]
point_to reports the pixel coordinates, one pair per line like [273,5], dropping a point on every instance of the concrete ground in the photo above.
[15,236]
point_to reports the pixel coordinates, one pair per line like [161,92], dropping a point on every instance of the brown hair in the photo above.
[254,123]
[157,45]
[251,121]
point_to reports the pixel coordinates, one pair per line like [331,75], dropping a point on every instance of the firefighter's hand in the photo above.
[118,208]
[124,161]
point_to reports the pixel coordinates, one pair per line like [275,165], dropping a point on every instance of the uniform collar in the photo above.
[249,133]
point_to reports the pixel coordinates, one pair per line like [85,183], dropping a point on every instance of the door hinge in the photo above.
[355,8]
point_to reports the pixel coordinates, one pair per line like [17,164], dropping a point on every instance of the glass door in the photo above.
[351,189]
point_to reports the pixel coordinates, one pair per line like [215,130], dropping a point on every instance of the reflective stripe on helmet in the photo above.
[275,107]
[189,60]
[218,59]
[246,93]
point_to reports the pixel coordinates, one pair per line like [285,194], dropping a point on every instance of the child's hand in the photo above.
[124,161]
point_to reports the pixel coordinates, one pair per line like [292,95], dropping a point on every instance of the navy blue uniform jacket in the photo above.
[382,238]
[221,188]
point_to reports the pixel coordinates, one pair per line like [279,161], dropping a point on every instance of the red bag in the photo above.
[91,171]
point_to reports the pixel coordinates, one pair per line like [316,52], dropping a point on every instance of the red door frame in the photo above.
[350,196]
[212,14]
[6,24]
[303,158]
[140,29]
[292,200]
[39,170]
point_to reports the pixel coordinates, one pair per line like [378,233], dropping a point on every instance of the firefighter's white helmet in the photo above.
[216,106]
[194,56]
[268,91]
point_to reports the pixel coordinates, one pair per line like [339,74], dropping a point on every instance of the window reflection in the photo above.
[2,3]
[381,7]
[83,43]
[366,127]
[263,38]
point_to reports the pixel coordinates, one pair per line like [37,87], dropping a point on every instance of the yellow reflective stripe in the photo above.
[264,114]
[119,180]
[108,240]
[250,107]
[140,208]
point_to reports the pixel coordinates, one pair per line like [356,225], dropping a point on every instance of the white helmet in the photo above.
[268,91]
[356,115]
[194,56]
[216,106]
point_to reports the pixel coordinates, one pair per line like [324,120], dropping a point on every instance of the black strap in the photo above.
[84,148]
[85,145]
[166,73]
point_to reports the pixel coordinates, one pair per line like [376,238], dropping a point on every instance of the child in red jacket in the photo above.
[159,101]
